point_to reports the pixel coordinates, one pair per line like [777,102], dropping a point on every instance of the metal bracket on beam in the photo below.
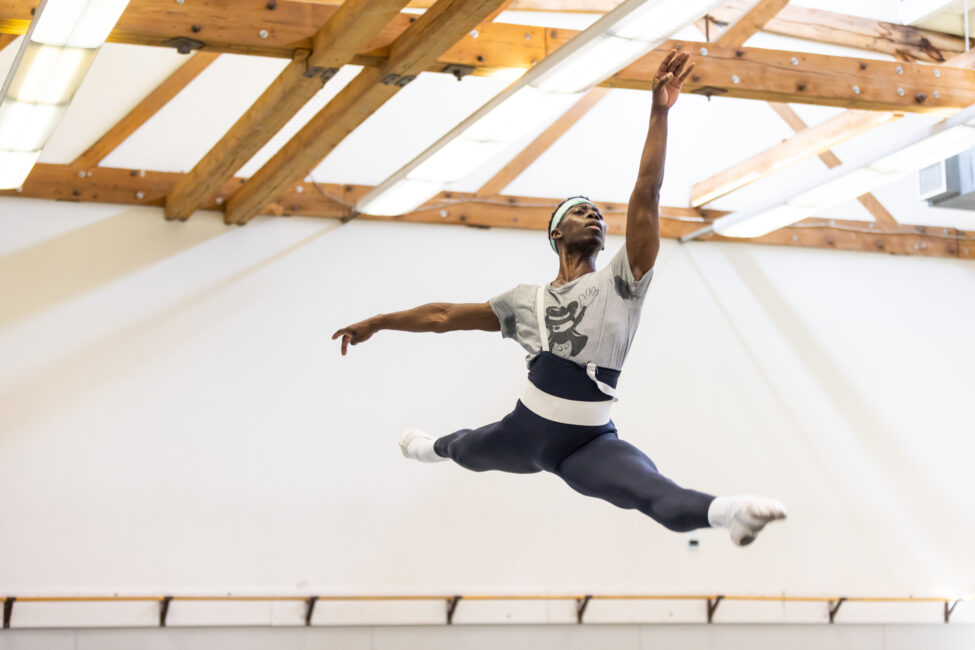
[328,73]
[389,79]
[713,606]
[349,217]
[405,79]
[949,610]
[8,611]
[310,609]
[581,604]
[164,610]
[184,45]
[833,608]
[452,607]
[459,71]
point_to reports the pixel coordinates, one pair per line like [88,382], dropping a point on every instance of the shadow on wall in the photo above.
[45,274]
[70,377]
[910,487]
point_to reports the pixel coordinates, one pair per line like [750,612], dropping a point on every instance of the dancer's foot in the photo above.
[418,445]
[744,515]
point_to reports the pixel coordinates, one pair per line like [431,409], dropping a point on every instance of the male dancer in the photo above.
[577,331]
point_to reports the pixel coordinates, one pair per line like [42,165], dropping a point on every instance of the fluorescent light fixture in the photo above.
[405,192]
[456,160]
[843,188]
[15,166]
[928,151]
[619,38]
[53,60]
[27,127]
[764,222]
[590,64]
[51,75]
[77,23]
[519,113]
[903,156]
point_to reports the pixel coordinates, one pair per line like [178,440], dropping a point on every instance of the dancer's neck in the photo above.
[573,266]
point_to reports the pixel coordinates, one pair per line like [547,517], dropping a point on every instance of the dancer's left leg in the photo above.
[614,470]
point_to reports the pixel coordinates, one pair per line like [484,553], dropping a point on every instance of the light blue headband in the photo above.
[557,219]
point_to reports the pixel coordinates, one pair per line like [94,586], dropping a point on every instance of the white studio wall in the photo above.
[175,419]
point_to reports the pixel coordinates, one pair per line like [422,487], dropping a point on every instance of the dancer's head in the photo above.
[577,225]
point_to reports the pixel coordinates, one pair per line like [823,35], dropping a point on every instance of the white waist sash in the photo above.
[565,411]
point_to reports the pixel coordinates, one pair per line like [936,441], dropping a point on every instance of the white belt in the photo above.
[565,411]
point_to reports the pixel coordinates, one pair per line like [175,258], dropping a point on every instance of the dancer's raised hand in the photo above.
[670,78]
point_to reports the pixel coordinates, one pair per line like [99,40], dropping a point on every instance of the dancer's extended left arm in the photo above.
[643,211]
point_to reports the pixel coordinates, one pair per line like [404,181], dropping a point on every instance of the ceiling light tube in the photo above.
[619,38]
[903,156]
[53,59]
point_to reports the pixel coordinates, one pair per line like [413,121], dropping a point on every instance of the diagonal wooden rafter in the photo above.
[869,201]
[345,33]
[145,109]
[6,39]
[539,145]
[804,144]
[751,22]
[129,187]
[417,48]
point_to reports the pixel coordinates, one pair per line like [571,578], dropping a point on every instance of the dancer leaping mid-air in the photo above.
[577,331]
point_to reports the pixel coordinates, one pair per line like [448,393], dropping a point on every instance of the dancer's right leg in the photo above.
[494,446]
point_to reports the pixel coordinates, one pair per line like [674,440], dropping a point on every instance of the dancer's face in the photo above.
[582,228]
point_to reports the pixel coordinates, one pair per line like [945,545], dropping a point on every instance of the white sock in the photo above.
[418,445]
[744,515]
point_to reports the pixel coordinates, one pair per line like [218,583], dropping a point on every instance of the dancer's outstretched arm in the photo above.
[643,212]
[436,317]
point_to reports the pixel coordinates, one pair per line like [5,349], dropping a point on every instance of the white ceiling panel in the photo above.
[120,77]
[179,135]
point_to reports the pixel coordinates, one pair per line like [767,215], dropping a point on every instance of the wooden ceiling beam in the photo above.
[291,25]
[540,145]
[409,55]
[329,200]
[751,22]
[799,77]
[145,109]
[344,34]
[763,74]
[850,31]
[6,39]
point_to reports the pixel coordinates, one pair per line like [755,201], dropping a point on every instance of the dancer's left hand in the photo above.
[670,78]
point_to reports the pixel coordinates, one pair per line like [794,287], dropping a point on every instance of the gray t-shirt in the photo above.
[592,318]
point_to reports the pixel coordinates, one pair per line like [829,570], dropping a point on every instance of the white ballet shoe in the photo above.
[418,445]
[745,516]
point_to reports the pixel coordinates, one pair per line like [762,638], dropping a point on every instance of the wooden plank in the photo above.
[763,74]
[804,144]
[149,106]
[418,47]
[798,77]
[344,33]
[849,31]
[751,22]
[292,24]
[6,39]
[329,200]
[541,144]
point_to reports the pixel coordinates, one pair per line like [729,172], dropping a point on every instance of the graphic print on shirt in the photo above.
[561,322]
